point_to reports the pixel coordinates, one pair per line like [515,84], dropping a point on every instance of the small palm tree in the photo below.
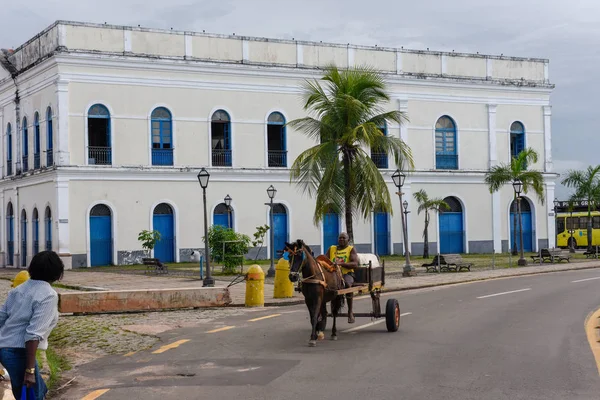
[500,175]
[348,111]
[587,187]
[426,204]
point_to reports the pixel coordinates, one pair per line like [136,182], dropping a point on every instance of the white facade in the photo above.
[131,72]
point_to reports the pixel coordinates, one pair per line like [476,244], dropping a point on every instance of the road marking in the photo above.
[379,321]
[266,317]
[170,346]
[129,354]
[500,294]
[588,279]
[95,394]
[591,322]
[225,328]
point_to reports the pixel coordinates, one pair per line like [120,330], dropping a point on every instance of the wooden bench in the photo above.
[552,255]
[433,266]
[457,261]
[156,265]
[592,254]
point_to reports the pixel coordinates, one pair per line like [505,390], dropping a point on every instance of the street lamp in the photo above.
[398,177]
[556,203]
[203,177]
[271,191]
[518,187]
[227,201]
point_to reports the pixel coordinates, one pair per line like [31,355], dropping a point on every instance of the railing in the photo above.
[99,155]
[277,158]
[10,245]
[162,156]
[380,159]
[25,163]
[221,158]
[36,161]
[446,161]
[49,158]
[9,167]
[48,245]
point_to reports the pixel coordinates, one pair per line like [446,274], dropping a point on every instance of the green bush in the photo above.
[233,255]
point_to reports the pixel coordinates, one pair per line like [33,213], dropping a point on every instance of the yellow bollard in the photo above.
[255,287]
[283,286]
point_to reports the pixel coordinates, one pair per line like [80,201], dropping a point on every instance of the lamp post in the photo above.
[518,187]
[227,201]
[203,177]
[572,230]
[398,178]
[271,191]
[556,203]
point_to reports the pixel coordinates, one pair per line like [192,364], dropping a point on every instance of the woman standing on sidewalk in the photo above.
[26,320]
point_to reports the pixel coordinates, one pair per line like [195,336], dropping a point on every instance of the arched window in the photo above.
[35,232]
[25,146]
[162,137]
[23,238]
[223,216]
[10,235]
[276,140]
[99,143]
[48,230]
[220,128]
[379,156]
[517,138]
[445,144]
[49,139]
[9,152]
[36,141]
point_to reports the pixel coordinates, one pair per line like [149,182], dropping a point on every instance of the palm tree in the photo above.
[426,204]
[587,187]
[500,175]
[347,115]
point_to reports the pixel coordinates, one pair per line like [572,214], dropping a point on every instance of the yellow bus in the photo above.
[573,227]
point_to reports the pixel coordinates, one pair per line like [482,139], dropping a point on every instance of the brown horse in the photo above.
[319,285]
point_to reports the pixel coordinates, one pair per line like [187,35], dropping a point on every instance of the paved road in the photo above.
[470,341]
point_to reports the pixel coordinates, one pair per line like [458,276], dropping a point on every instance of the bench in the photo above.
[552,255]
[448,262]
[433,266]
[592,254]
[156,265]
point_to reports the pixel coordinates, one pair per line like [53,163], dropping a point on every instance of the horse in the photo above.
[319,286]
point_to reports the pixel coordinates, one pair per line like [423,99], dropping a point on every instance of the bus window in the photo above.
[572,223]
[583,222]
[560,225]
[596,222]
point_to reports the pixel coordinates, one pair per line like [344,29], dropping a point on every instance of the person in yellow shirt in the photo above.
[346,257]
[21,277]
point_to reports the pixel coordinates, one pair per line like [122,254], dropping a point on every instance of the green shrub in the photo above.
[232,254]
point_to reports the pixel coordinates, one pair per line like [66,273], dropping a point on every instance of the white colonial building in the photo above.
[105,128]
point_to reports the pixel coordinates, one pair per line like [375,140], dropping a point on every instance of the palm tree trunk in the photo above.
[426,237]
[348,198]
[515,222]
[589,227]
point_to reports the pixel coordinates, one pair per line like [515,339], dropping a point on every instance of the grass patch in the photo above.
[51,360]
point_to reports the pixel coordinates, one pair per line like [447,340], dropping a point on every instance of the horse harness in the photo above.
[312,278]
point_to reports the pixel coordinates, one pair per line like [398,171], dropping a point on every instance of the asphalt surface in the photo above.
[468,341]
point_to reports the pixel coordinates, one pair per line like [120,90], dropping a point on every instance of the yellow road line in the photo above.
[266,317]
[591,324]
[129,354]
[225,328]
[170,346]
[95,394]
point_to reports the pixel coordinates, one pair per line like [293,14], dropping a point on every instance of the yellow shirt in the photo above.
[341,256]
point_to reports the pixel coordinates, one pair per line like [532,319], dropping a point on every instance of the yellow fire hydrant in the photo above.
[255,287]
[283,286]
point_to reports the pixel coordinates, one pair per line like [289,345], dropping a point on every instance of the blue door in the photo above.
[451,233]
[527,231]
[10,235]
[382,234]
[223,216]
[331,230]
[221,219]
[164,223]
[280,229]
[100,236]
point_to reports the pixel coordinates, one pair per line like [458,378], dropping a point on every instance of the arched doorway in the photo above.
[381,229]
[223,216]
[527,221]
[331,229]
[48,222]
[451,228]
[35,232]
[100,236]
[10,235]
[164,223]
[23,238]
[280,229]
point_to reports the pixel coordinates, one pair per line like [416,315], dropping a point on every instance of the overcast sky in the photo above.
[566,32]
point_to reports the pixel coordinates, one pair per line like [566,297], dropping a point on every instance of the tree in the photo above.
[347,117]
[587,187]
[149,239]
[426,205]
[227,246]
[500,175]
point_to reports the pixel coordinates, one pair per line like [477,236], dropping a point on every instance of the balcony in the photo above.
[162,156]
[221,158]
[99,155]
[446,161]
[49,158]
[25,163]
[9,168]
[36,161]
[277,158]
[380,159]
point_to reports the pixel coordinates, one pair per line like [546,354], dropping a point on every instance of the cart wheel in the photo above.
[392,315]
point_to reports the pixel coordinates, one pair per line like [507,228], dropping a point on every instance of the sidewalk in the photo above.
[89,280]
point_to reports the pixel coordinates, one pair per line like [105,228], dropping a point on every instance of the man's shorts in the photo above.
[348,280]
